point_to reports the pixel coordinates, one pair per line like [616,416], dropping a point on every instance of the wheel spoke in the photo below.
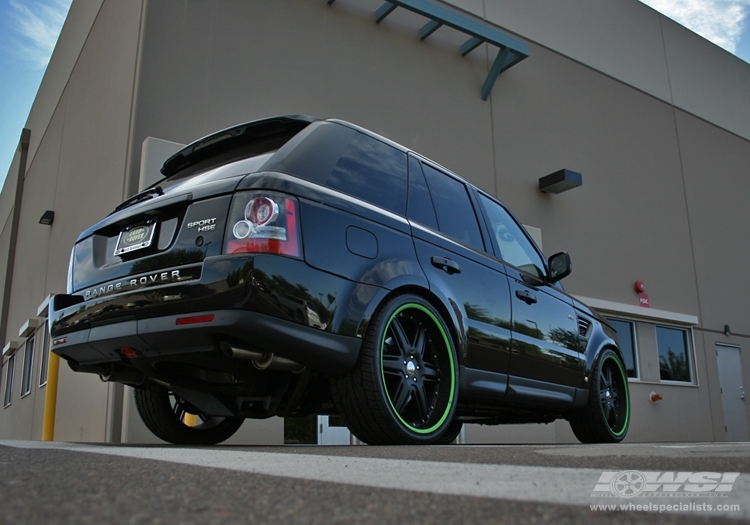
[613,394]
[431,372]
[179,411]
[401,397]
[392,365]
[422,403]
[420,342]
[400,337]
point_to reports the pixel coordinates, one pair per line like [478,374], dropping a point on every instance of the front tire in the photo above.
[403,389]
[163,413]
[607,417]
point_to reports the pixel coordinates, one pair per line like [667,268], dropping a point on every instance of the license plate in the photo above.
[135,238]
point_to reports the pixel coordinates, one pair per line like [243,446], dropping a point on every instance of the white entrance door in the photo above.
[733,397]
[331,431]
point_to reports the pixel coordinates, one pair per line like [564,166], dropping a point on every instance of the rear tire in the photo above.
[452,432]
[403,389]
[163,413]
[607,416]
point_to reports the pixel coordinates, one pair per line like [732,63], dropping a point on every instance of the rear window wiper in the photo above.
[145,195]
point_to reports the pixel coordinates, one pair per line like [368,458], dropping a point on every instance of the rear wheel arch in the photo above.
[448,314]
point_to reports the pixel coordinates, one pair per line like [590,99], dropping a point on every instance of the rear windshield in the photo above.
[346,160]
[238,167]
[254,154]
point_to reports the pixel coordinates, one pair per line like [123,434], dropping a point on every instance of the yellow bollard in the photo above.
[50,398]
[190,419]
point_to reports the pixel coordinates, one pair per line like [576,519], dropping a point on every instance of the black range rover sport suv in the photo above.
[294,266]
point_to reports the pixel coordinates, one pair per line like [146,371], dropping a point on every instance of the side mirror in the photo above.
[559,266]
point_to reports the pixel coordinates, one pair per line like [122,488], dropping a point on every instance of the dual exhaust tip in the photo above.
[260,359]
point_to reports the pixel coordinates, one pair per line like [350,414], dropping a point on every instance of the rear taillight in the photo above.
[263,223]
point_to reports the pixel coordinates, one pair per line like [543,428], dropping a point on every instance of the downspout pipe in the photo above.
[23,146]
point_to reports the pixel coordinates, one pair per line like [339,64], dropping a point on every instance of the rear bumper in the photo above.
[163,336]
[278,304]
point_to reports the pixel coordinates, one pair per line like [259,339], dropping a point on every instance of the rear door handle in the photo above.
[526,296]
[445,264]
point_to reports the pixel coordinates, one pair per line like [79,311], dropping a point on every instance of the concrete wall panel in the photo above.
[684,415]
[475,7]
[33,245]
[17,419]
[82,404]
[632,198]
[8,194]
[378,76]
[39,393]
[706,80]
[718,220]
[619,38]
[97,107]
[4,249]
[72,38]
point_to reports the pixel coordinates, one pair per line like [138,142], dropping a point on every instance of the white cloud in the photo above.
[37,25]
[720,21]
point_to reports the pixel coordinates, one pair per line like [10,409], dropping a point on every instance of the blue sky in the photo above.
[28,33]
[29,30]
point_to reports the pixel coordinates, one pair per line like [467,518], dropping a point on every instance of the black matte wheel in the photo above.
[164,413]
[607,416]
[403,389]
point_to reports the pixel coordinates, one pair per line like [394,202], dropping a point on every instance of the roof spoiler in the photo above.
[231,137]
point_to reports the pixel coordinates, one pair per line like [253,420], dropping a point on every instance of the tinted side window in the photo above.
[420,202]
[373,171]
[455,214]
[515,248]
[346,160]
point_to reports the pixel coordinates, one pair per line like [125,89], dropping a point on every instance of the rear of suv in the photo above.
[293,266]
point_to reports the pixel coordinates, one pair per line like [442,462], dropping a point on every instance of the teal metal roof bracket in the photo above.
[383,11]
[510,50]
[429,28]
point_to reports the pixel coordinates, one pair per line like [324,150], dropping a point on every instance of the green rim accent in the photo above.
[627,396]
[451,358]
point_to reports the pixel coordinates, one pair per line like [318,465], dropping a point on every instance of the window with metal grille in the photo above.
[9,371]
[28,366]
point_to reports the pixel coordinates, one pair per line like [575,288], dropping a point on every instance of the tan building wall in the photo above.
[655,117]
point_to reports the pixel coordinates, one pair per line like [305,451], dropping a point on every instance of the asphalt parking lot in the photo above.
[138,484]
